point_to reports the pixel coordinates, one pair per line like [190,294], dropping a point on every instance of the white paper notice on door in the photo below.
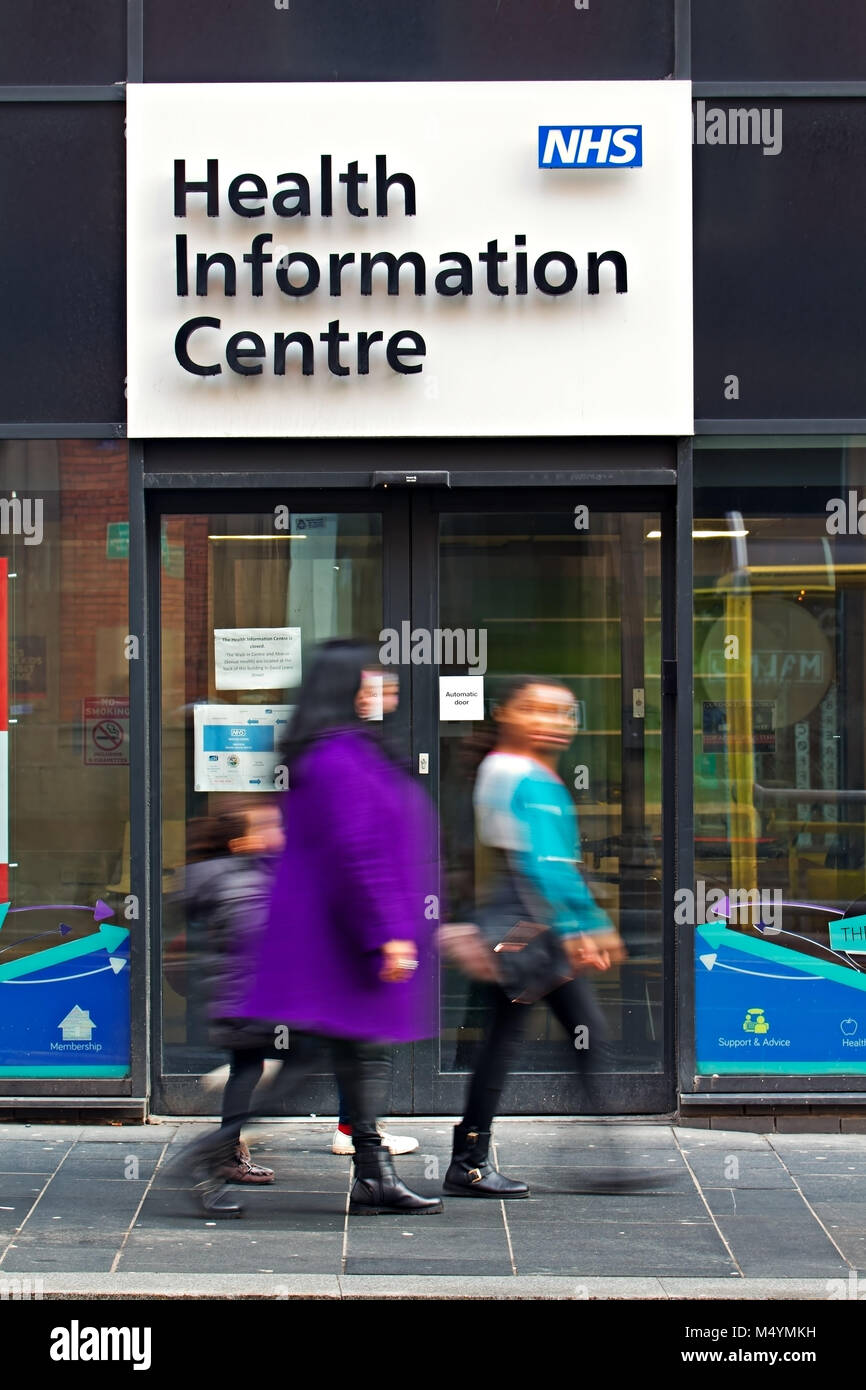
[236,747]
[461,697]
[257,658]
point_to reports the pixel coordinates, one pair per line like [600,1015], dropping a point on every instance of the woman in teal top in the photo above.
[528,834]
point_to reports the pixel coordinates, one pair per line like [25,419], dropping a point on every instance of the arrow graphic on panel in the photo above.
[115,963]
[766,951]
[108,938]
[61,930]
[710,960]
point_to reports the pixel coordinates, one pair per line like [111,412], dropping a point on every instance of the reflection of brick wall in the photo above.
[93,590]
[196,599]
[184,608]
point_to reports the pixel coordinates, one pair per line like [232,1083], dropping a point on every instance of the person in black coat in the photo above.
[225,896]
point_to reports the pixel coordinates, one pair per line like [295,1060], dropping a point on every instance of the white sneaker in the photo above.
[342,1143]
[396,1143]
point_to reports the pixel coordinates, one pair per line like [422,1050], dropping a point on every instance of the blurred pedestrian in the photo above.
[535,906]
[377,698]
[346,957]
[226,890]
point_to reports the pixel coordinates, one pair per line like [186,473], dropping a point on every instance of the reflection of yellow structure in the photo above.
[741,755]
[755,1022]
[741,588]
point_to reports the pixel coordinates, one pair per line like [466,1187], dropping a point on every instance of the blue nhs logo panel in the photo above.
[590,146]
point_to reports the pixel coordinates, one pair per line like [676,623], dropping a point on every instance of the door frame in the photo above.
[657,469]
[179,1093]
[435,1092]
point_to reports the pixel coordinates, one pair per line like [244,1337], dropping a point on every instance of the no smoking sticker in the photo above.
[106,731]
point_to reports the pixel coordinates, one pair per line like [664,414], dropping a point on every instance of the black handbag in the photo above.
[530,960]
[515,923]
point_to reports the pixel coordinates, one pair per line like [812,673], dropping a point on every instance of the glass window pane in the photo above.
[780,760]
[243,602]
[65,41]
[778,40]
[62,246]
[427,40]
[779,304]
[64,684]
[551,601]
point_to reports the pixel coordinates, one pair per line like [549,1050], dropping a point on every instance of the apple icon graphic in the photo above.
[848,1026]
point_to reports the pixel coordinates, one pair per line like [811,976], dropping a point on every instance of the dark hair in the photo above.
[475,747]
[511,686]
[327,698]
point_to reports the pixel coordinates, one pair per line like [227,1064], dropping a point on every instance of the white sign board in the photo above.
[257,658]
[406,259]
[461,697]
[236,746]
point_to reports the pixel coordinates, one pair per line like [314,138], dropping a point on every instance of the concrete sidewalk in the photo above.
[89,1212]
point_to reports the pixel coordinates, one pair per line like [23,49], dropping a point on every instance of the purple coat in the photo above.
[359,869]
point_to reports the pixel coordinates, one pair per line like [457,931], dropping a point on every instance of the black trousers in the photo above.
[575,1006]
[245,1072]
[362,1069]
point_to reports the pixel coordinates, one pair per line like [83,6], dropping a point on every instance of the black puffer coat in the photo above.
[226,904]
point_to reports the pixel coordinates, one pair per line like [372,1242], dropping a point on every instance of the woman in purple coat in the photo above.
[347,956]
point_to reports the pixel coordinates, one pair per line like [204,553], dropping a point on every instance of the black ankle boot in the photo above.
[471,1174]
[377,1189]
[213,1199]
[199,1165]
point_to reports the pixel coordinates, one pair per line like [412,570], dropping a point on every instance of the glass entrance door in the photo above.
[552,586]
[246,584]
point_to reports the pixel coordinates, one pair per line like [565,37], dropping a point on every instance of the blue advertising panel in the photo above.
[763,1007]
[64,991]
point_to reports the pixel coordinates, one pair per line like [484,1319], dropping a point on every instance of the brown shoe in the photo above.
[241,1169]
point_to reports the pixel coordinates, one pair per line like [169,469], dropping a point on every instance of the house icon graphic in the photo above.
[77,1026]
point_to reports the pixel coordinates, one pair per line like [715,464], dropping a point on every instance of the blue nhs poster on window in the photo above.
[767,1007]
[64,991]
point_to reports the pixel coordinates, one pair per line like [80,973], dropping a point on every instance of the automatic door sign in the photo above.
[461,697]
[106,731]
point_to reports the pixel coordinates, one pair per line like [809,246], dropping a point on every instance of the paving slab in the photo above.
[781,1247]
[582,1181]
[32,1255]
[20,1130]
[817,1143]
[31,1158]
[126,1162]
[620,1248]
[759,1171]
[88,1203]
[106,1203]
[216,1246]
[18,1192]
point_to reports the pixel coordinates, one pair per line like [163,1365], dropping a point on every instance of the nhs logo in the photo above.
[590,146]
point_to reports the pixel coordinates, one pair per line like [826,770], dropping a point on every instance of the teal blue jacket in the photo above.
[526,810]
